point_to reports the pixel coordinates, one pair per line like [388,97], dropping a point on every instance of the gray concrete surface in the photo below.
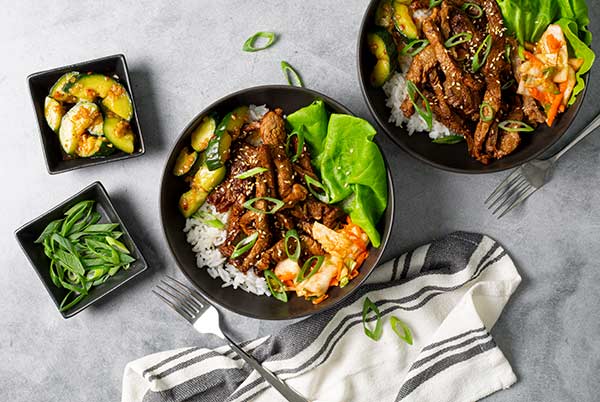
[183,56]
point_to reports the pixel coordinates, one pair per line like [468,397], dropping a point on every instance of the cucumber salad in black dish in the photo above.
[280,204]
[90,114]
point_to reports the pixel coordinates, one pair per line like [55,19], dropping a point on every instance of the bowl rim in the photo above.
[381,121]
[88,162]
[165,174]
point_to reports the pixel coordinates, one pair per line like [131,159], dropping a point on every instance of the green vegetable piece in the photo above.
[427,114]
[403,20]
[482,53]
[118,132]
[208,219]
[299,134]
[317,189]
[250,173]
[244,245]
[314,119]
[368,307]
[515,126]
[291,75]
[449,139]
[250,205]
[292,234]
[308,265]
[249,44]
[382,46]
[414,47]
[53,112]
[383,14]
[276,287]
[486,112]
[473,10]
[52,227]
[397,325]
[74,123]
[191,201]
[203,133]
[117,245]
[206,180]
[217,151]
[458,39]
[184,162]
[58,90]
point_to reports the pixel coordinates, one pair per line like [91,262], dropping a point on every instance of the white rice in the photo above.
[257,112]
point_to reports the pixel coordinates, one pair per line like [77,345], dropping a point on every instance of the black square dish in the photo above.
[28,233]
[39,86]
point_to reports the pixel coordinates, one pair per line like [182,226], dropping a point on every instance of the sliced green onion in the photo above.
[244,245]
[486,112]
[405,335]
[292,76]
[508,84]
[299,134]
[458,39]
[478,58]
[64,307]
[520,126]
[434,3]
[250,173]
[322,196]
[278,205]
[208,219]
[467,7]
[249,44]
[344,281]
[415,47]
[292,234]
[307,265]
[426,114]
[507,51]
[276,287]
[369,306]
[449,139]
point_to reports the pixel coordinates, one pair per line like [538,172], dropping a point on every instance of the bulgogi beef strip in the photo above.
[263,144]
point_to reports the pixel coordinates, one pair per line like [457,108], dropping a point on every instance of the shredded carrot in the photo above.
[556,102]
[553,43]
[531,57]
[320,299]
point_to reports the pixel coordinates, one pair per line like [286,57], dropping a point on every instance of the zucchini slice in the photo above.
[53,112]
[191,201]
[203,133]
[74,123]
[58,90]
[92,145]
[383,14]
[118,132]
[206,179]
[114,95]
[118,101]
[403,20]
[184,162]
[382,47]
[217,151]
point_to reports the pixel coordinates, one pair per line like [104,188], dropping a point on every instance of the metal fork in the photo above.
[205,318]
[530,177]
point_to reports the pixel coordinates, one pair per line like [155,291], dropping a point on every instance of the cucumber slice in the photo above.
[58,90]
[206,179]
[114,95]
[403,20]
[118,101]
[383,14]
[92,145]
[382,47]
[119,133]
[74,123]
[203,133]
[217,151]
[53,112]
[191,201]
[184,162]
[97,127]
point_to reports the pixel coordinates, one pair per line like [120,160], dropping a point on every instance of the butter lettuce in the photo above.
[314,119]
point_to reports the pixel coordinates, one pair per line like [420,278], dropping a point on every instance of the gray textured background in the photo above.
[183,56]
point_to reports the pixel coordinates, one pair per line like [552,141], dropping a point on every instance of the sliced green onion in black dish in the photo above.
[473,10]
[482,54]
[249,44]
[486,112]
[308,265]
[278,204]
[368,307]
[249,173]
[457,39]
[299,134]
[208,219]
[292,234]
[401,329]
[449,139]
[508,84]
[414,47]
[515,126]
[314,185]
[244,245]
[276,287]
[291,75]
[426,114]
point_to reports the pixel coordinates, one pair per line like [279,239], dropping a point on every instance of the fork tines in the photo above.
[181,298]
[510,193]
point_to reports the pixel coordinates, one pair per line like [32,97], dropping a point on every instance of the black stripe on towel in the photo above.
[453,338]
[440,352]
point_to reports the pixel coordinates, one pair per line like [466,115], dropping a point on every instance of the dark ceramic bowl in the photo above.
[27,234]
[455,157]
[39,86]
[289,99]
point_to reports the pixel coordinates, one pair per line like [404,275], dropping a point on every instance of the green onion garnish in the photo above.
[344,281]
[405,335]
[244,245]
[369,306]
[250,173]
[426,114]
[478,58]
[508,84]
[249,44]
[292,76]
[520,126]
[434,3]
[415,47]
[276,287]
[292,234]
[314,184]
[486,112]
[467,7]
[208,219]
[307,265]
[449,139]
[278,205]
[299,134]
[458,39]
[507,51]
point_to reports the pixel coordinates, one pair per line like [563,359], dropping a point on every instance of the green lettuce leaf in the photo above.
[314,119]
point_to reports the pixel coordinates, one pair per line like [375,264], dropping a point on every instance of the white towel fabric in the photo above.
[450,293]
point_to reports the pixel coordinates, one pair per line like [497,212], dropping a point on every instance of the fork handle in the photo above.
[284,389]
[586,131]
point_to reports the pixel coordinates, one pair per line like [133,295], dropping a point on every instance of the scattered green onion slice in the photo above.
[250,173]
[507,51]
[426,114]
[479,59]
[414,47]
[458,39]
[208,219]
[250,205]
[292,76]
[299,134]
[486,112]
[307,265]
[405,335]
[292,234]
[249,44]
[434,3]
[369,306]
[276,287]
[449,139]
[244,245]
[467,7]
[508,84]
[520,126]
[322,196]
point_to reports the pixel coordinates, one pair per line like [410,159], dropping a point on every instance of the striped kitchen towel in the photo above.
[450,293]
